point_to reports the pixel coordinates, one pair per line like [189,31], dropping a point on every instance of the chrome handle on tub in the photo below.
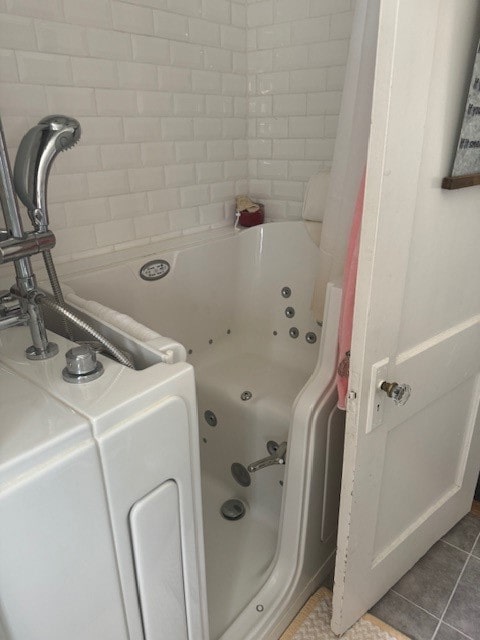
[278,457]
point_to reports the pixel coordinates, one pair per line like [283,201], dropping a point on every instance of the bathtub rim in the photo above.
[71,267]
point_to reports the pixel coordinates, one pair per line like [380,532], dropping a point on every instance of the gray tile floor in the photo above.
[439,598]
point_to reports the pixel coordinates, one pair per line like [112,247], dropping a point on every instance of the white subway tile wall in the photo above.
[296,56]
[183,104]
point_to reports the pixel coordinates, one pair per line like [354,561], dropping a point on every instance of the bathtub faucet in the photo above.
[277,457]
[19,305]
[22,304]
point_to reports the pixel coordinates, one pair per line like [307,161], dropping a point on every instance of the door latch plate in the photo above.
[377,397]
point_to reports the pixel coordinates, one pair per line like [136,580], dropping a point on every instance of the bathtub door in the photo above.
[410,468]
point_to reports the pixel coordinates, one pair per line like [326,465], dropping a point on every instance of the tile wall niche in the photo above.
[170,131]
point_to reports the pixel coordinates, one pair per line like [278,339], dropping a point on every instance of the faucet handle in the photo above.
[8,300]
[276,457]
[11,312]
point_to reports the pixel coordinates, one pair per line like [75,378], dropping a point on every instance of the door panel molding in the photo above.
[435,367]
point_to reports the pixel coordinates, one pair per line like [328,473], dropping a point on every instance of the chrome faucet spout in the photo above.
[278,457]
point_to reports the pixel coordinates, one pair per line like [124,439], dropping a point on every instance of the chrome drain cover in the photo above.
[233,509]
[241,474]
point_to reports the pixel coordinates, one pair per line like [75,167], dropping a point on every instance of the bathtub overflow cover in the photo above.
[154,270]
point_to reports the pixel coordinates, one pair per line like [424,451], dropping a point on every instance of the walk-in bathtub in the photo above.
[240,304]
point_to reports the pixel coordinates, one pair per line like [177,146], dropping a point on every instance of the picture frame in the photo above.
[466,164]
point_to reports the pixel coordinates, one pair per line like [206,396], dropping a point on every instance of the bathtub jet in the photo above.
[241,475]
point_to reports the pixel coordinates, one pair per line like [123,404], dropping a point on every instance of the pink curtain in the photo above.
[348,299]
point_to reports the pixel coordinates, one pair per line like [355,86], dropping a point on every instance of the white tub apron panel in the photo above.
[75,459]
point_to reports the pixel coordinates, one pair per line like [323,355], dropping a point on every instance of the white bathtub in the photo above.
[222,299]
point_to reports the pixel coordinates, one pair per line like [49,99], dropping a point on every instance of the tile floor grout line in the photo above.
[415,604]
[455,546]
[458,631]
[454,589]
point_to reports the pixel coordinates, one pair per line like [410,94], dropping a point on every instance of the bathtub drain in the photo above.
[233,509]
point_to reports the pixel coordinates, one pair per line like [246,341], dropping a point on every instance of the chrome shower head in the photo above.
[36,153]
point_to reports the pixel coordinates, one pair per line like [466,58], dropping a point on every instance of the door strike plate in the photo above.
[377,397]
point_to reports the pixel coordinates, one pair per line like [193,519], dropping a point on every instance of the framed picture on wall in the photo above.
[466,164]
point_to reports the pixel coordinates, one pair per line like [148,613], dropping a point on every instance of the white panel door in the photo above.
[409,471]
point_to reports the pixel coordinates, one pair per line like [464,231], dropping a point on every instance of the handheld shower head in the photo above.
[36,153]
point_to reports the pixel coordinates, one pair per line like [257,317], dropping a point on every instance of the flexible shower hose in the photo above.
[41,298]
[56,288]
[52,275]
[69,315]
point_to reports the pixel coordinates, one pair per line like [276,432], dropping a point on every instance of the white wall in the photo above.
[297,52]
[160,89]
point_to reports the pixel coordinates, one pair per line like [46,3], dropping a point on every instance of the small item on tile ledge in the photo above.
[248,213]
